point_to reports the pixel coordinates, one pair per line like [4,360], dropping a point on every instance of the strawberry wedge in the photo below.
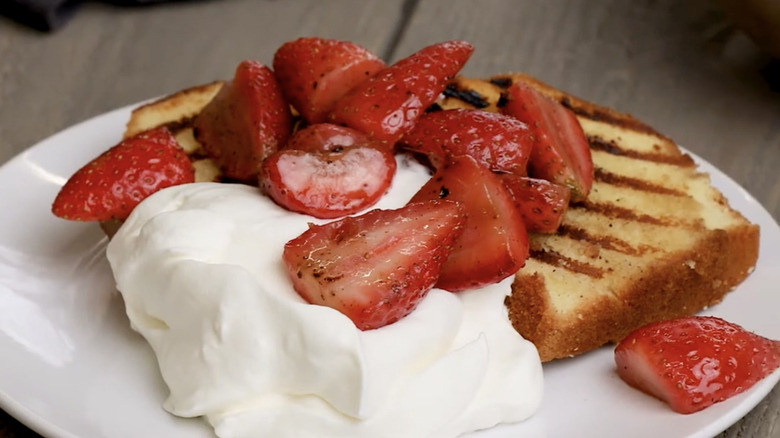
[694,362]
[374,268]
[247,121]
[494,244]
[561,153]
[113,184]
[500,142]
[541,203]
[315,72]
[387,105]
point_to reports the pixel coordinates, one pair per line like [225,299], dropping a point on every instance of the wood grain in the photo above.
[679,66]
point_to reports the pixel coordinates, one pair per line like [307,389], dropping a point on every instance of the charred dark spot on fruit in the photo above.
[332,278]
[469,96]
[314,85]
[443,192]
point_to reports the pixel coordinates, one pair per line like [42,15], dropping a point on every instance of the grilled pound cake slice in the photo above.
[654,240]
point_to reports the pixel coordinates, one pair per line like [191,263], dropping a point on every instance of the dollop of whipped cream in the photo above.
[200,269]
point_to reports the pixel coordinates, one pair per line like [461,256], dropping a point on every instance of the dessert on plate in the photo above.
[338,246]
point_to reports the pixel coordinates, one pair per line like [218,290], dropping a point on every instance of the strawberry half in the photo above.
[694,362]
[387,105]
[315,72]
[494,244]
[561,153]
[541,203]
[500,142]
[376,267]
[110,186]
[247,121]
[328,171]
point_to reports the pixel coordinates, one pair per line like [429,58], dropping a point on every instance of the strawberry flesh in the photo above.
[374,268]
[694,362]
[388,104]
[113,184]
[315,72]
[561,153]
[494,244]
[247,121]
[500,142]
[328,171]
[541,203]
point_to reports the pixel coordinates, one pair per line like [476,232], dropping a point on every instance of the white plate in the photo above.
[71,367]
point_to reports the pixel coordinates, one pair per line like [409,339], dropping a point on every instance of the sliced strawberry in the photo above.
[561,153]
[111,185]
[315,72]
[494,244]
[388,104]
[541,203]
[694,362]
[328,171]
[502,143]
[376,267]
[246,121]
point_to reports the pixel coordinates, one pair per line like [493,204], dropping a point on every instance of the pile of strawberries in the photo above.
[318,134]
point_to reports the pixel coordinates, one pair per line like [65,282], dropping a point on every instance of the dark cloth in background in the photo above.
[49,15]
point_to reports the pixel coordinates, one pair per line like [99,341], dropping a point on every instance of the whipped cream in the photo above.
[199,267]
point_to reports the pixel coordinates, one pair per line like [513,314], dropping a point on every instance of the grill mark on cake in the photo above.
[610,147]
[602,241]
[501,81]
[561,261]
[614,179]
[598,114]
[471,97]
[611,211]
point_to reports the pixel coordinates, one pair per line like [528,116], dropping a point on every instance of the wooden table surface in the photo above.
[679,66]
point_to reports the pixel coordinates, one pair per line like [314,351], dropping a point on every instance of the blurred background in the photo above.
[704,72]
